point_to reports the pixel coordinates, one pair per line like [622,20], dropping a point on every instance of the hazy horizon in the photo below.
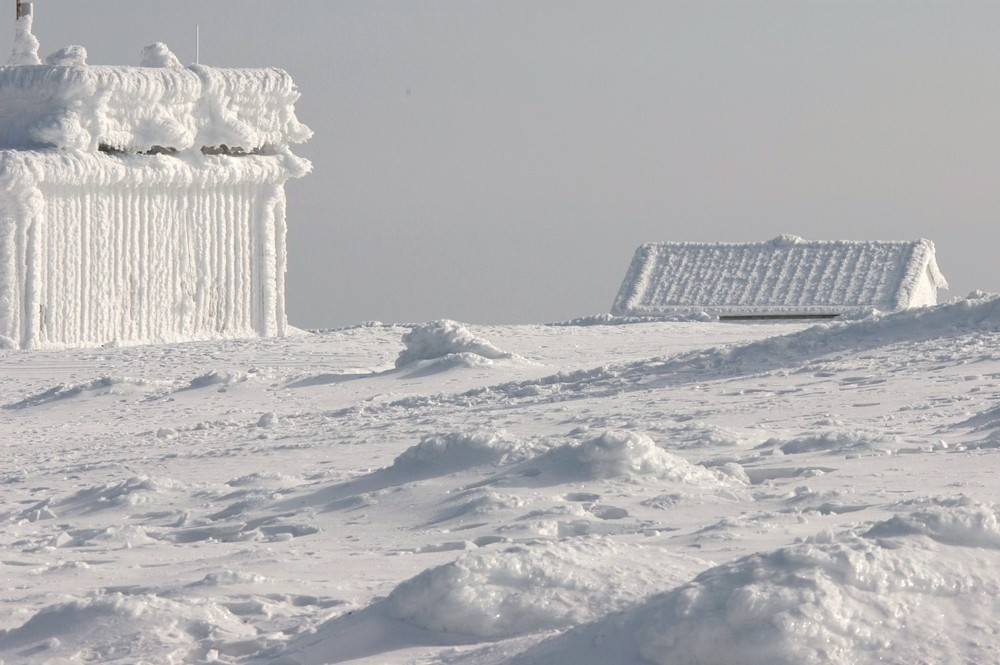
[499,162]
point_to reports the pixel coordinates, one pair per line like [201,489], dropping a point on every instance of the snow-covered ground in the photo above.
[675,492]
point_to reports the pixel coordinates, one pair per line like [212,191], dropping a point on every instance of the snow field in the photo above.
[625,494]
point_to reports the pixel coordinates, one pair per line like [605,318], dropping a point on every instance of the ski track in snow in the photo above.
[672,492]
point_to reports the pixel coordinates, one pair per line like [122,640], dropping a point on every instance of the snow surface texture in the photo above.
[673,492]
[787,275]
[186,243]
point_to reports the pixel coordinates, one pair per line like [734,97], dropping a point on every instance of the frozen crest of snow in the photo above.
[68,56]
[522,589]
[787,275]
[122,628]
[882,595]
[616,454]
[25,43]
[158,54]
[437,339]
[458,450]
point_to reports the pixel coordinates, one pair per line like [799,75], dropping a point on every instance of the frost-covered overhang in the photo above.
[159,106]
[139,109]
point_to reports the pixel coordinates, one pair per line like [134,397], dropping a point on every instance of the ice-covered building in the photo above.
[141,204]
[782,278]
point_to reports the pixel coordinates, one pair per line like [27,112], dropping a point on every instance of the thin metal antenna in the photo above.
[197,44]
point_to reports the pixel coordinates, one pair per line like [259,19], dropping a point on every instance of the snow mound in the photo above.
[629,455]
[831,443]
[527,588]
[921,587]
[216,378]
[105,385]
[458,450]
[158,54]
[123,629]
[974,314]
[439,339]
[68,56]
[128,493]
[961,523]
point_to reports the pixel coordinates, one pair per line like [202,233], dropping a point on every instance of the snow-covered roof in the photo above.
[65,103]
[137,108]
[783,276]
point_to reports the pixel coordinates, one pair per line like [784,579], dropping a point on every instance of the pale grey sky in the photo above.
[500,161]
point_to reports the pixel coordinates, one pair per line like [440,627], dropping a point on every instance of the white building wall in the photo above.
[100,260]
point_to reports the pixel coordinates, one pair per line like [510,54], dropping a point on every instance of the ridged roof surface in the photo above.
[784,276]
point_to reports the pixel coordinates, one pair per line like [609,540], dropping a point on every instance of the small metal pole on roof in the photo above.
[197,44]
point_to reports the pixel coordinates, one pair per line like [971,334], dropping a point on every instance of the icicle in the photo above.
[25,43]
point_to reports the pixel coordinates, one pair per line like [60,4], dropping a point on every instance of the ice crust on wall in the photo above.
[787,275]
[142,204]
[97,249]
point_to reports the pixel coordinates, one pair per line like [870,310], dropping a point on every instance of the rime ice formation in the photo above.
[158,55]
[784,276]
[142,204]
[68,56]
[25,43]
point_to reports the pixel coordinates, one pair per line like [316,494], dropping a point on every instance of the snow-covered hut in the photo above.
[141,204]
[787,277]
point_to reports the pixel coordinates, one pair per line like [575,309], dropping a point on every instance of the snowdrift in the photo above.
[449,342]
[919,587]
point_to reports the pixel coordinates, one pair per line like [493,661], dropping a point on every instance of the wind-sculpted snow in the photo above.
[628,455]
[730,500]
[117,628]
[440,339]
[795,352]
[457,450]
[106,385]
[882,594]
[833,443]
[526,588]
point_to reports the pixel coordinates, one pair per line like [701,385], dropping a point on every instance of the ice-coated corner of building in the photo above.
[143,204]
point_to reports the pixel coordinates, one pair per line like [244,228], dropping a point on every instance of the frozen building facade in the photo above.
[141,204]
[786,277]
